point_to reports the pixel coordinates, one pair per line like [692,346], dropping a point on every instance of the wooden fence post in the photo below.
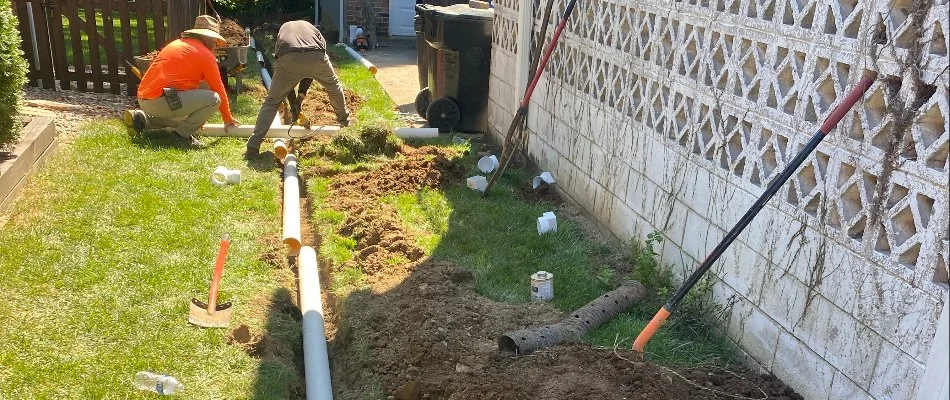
[181,16]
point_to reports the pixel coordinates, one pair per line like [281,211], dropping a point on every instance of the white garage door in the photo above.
[401,14]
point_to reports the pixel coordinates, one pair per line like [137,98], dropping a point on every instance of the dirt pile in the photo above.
[421,331]
[233,33]
[420,168]
[432,336]
[316,105]
[383,247]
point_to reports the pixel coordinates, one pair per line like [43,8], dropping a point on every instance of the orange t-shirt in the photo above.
[183,64]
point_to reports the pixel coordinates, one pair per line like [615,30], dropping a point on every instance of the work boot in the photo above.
[252,153]
[136,119]
[345,122]
[193,141]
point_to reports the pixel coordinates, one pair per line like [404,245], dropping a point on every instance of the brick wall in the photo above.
[674,117]
[354,15]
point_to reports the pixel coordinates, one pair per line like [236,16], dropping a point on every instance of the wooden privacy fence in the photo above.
[84,44]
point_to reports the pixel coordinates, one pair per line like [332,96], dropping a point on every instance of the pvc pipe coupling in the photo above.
[222,176]
[477,182]
[547,222]
[488,164]
[545,177]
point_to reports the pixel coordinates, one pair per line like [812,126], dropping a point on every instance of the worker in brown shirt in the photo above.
[301,53]
[170,94]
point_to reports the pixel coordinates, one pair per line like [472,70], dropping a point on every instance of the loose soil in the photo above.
[421,331]
[233,33]
[317,105]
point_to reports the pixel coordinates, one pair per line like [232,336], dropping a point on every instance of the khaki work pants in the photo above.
[289,70]
[197,107]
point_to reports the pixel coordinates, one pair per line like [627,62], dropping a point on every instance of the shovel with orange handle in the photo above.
[212,314]
[773,187]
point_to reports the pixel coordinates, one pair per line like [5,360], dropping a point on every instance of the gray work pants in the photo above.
[197,107]
[289,70]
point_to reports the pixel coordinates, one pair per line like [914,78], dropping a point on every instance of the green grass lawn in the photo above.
[105,247]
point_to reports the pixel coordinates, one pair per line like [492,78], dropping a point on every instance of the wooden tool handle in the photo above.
[218,270]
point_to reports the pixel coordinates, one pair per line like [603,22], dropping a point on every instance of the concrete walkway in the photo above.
[397,71]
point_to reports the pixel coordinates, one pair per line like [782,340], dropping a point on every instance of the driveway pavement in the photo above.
[397,71]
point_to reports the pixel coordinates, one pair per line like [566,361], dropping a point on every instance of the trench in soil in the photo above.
[420,330]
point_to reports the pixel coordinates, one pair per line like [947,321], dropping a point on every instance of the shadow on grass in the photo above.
[161,139]
[265,161]
[280,349]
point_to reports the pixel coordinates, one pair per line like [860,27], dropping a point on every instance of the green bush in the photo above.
[257,8]
[13,69]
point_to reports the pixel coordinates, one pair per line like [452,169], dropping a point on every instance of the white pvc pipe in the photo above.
[36,48]
[291,205]
[416,133]
[358,57]
[275,131]
[315,357]
[265,76]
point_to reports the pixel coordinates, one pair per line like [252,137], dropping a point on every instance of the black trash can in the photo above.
[455,55]
[424,30]
[421,46]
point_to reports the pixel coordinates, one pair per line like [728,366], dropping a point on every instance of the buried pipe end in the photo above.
[507,344]
[294,245]
[280,150]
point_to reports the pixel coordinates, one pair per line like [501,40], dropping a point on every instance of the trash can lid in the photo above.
[463,11]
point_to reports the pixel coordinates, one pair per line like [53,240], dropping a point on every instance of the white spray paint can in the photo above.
[542,286]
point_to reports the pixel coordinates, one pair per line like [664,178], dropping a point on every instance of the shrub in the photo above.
[257,8]
[357,144]
[13,69]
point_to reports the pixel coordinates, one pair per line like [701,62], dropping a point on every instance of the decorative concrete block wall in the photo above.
[674,116]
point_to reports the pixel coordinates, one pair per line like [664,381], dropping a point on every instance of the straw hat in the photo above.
[206,25]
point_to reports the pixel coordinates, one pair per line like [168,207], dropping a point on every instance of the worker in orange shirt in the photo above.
[170,95]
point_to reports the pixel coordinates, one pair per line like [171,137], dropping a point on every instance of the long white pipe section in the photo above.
[416,133]
[275,131]
[291,205]
[316,366]
[372,68]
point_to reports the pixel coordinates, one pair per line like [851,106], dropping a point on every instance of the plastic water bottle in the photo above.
[158,383]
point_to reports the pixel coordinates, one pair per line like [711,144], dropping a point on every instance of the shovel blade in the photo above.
[198,314]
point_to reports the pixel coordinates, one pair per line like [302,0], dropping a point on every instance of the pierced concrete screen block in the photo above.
[655,89]
[742,102]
